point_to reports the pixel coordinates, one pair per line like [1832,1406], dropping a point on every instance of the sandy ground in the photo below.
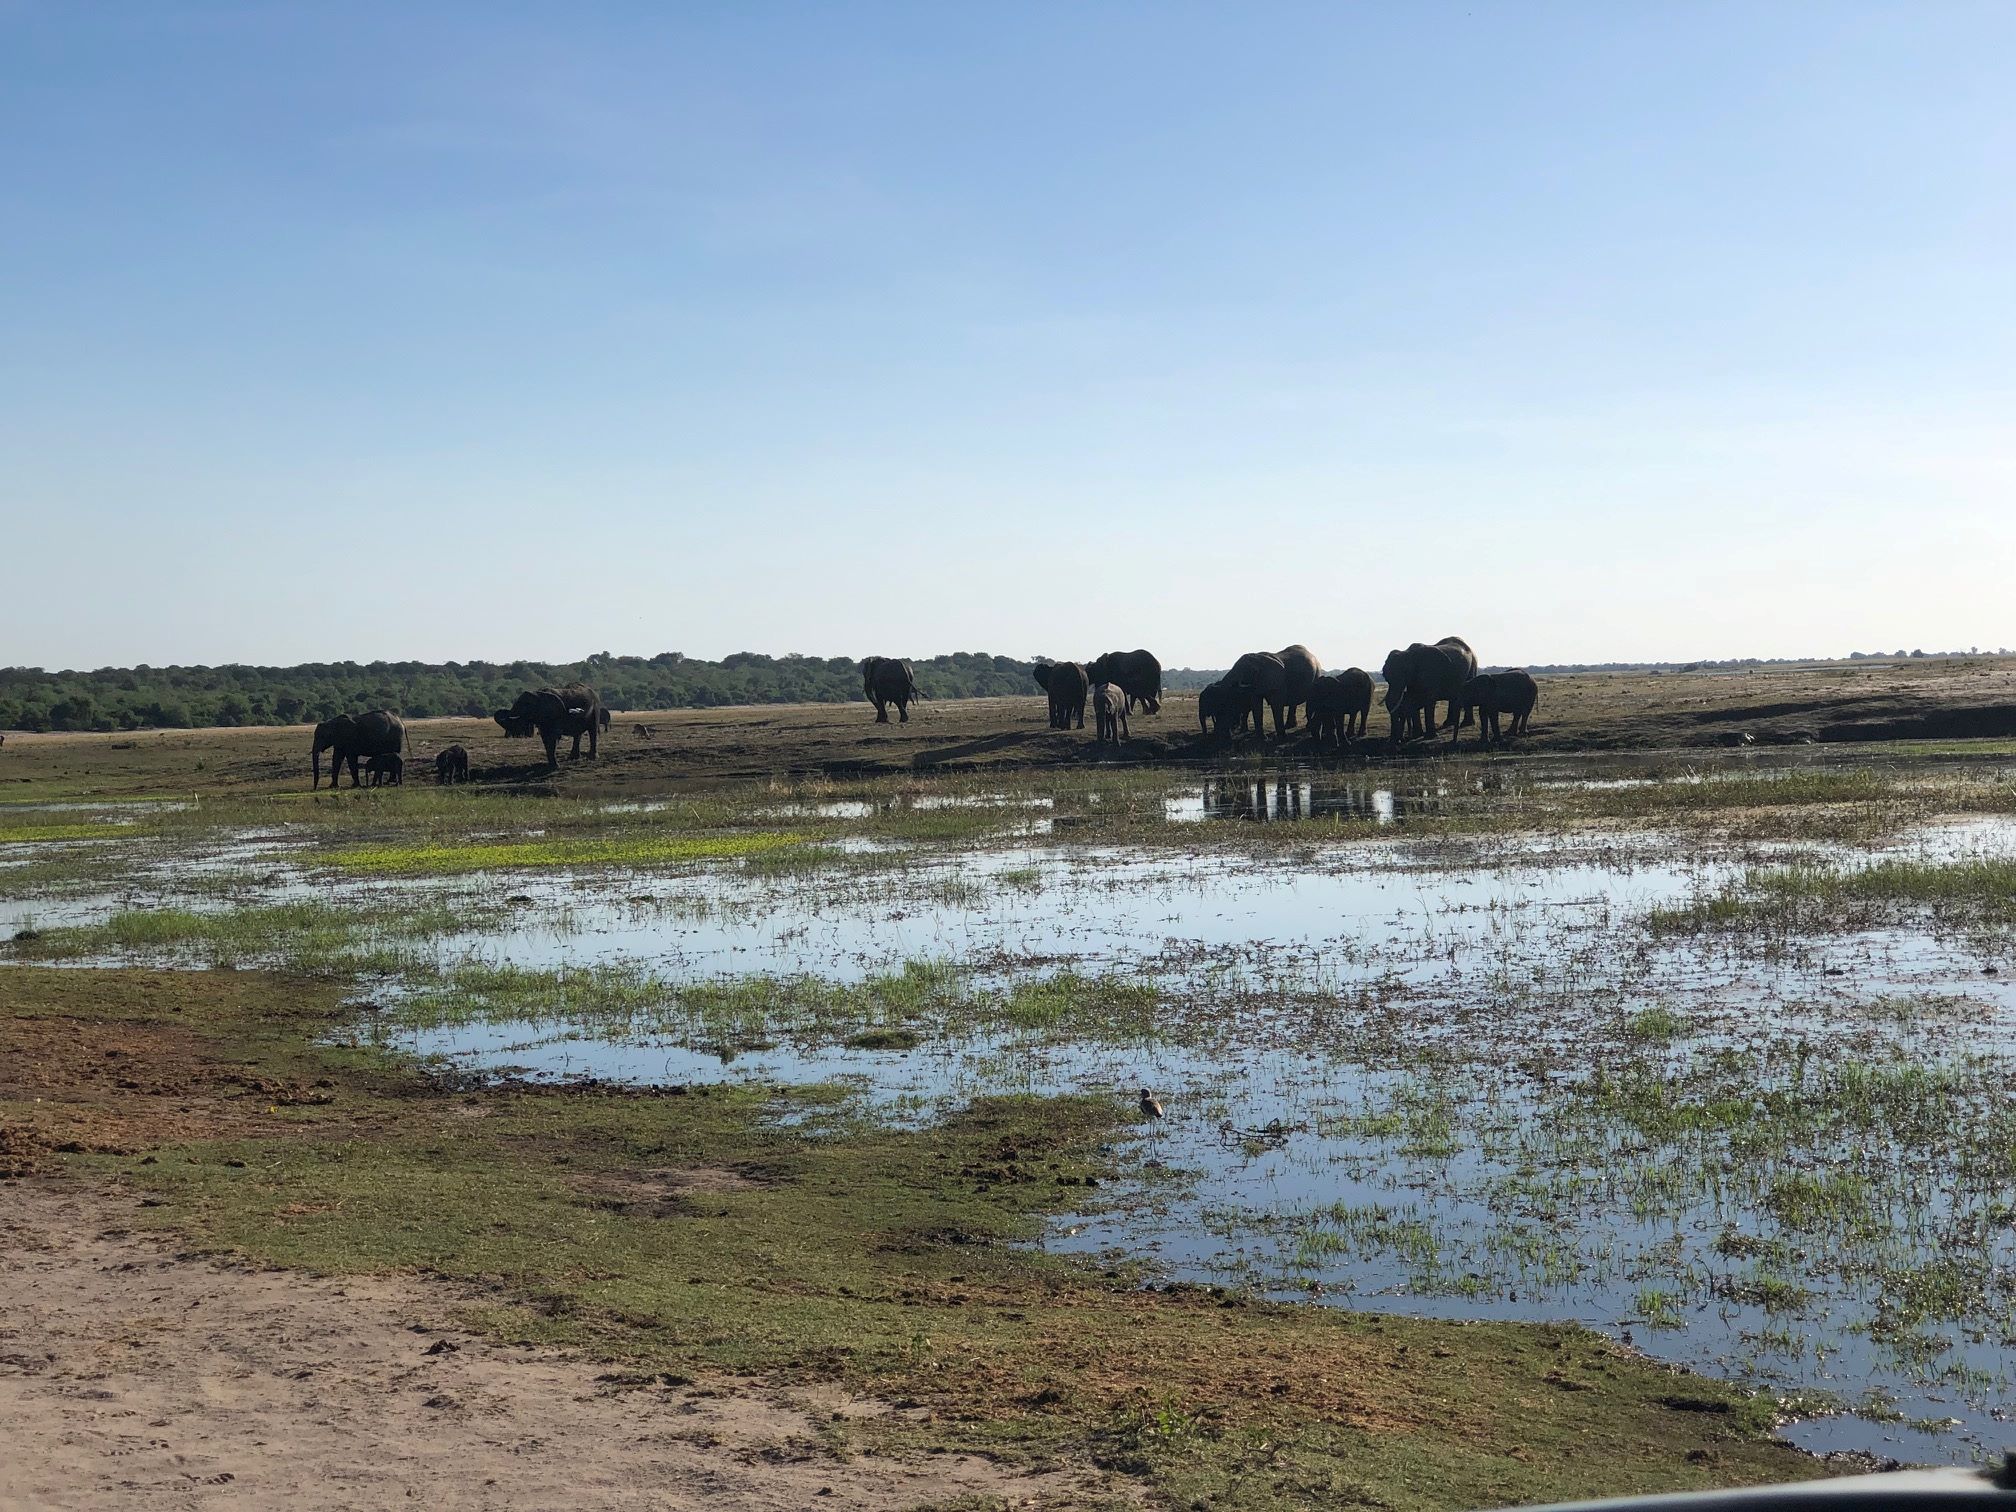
[131,1376]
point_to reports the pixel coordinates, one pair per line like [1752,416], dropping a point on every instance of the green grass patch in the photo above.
[1655,1024]
[28,834]
[1660,1307]
[304,935]
[640,850]
[1979,889]
[1744,791]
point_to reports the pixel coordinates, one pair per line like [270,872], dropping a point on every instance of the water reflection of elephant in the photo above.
[1267,800]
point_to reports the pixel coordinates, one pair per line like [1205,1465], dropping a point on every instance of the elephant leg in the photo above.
[903,711]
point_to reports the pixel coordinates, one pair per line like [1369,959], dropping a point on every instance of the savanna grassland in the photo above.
[1540,1123]
[1931,701]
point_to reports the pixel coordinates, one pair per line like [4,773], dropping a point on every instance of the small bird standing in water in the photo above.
[1150,1108]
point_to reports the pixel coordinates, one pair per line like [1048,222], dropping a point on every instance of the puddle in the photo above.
[1379,1121]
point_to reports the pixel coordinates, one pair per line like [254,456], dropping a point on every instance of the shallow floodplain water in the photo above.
[1466,1081]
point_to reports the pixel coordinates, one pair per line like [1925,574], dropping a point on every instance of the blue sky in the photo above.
[1585,331]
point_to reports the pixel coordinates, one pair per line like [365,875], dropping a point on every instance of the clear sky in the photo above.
[1586,331]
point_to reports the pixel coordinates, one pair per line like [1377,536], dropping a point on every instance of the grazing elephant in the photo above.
[888,681]
[1302,669]
[1066,683]
[388,768]
[1222,709]
[1420,677]
[1264,676]
[1109,709]
[573,710]
[1138,674]
[451,765]
[348,737]
[1494,693]
[1339,705]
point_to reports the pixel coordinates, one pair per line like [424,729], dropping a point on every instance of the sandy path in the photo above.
[133,1377]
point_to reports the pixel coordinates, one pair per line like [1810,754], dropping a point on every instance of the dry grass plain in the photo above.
[1934,700]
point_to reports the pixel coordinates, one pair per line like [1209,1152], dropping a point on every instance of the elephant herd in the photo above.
[1115,684]
[379,742]
[1281,684]
[1262,684]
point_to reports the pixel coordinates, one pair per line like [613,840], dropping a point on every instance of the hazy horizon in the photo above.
[448,332]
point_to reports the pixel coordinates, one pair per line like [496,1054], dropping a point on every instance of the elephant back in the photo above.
[1263,670]
[1301,667]
[1456,651]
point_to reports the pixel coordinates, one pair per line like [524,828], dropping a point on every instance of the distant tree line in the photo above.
[130,698]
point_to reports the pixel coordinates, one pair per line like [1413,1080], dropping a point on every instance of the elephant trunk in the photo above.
[315,766]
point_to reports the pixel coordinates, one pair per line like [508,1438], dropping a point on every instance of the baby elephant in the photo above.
[1339,704]
[387,768]
[1494,693]
[1109,707]
[452,765]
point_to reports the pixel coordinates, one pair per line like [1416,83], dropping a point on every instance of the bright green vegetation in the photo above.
[1655,1023]
[23,834]
[1660,1308]
[750,1235]
[504,855]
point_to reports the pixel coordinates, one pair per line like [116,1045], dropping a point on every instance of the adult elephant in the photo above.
[1420,677]
[1136,673]
[1222,709]
[1339,705]
[1302,669]
[888,681]
[553,712]
[1066,683]
[1264,676]
[352,737]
